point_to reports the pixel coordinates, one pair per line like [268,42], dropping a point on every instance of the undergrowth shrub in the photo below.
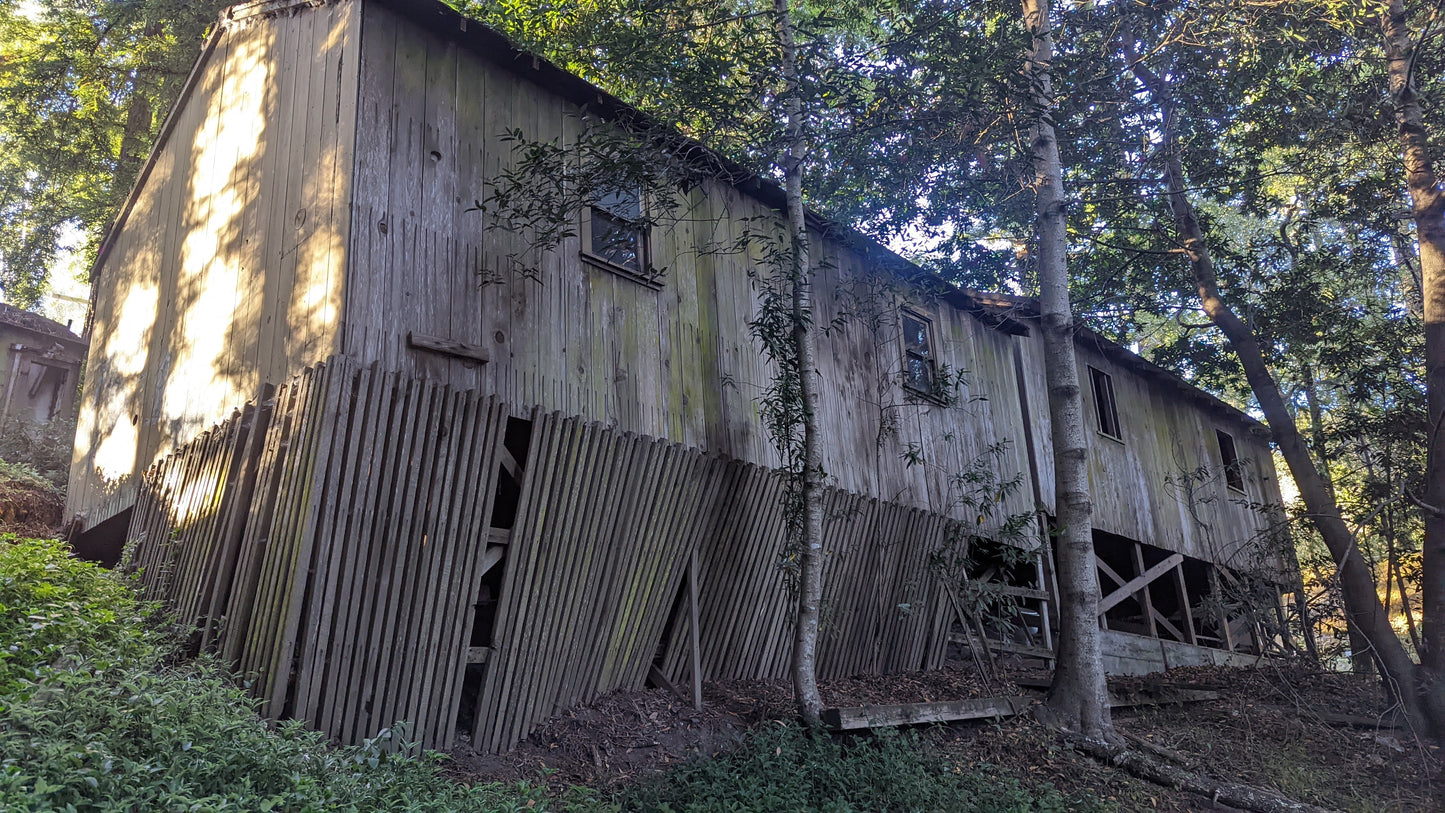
[43,448]
[786,768]
[97,713]
[55,609]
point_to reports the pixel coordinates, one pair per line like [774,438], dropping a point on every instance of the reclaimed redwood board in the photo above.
[847,719]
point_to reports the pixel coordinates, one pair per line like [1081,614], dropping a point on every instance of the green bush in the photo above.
[97,713]
[787,768]
[54,609]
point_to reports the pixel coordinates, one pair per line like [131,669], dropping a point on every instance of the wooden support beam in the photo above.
[1047,605]
[509,463]
[660,680]
[447,347]
[1216,593]
[1132,586]
[1024,592]
[478,654]
[1184,605]
[490,559]
[1145,599]
[1164,621]
[1168,694]
[848,719]
[1044,652]
[1108,571]
[1172,696]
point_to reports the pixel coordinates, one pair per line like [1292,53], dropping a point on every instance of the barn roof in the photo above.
[1006,313]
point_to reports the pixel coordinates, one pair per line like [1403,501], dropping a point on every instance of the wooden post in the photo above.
[1146,603]
[692,590]
[1184,604]
[1046,606]
[1216,590]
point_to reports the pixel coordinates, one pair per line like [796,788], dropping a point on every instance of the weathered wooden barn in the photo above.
[395,473]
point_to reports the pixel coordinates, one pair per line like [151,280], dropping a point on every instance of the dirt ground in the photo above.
[1264,729]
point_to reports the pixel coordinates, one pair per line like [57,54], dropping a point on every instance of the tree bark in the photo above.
[1362,602]
[1362,660]
[1243,797]
[1078,697]
[1428,210]
[810,577]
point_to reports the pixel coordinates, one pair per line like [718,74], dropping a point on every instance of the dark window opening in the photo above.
[920,368]
[1233,471]
[1105,407]
[617,233]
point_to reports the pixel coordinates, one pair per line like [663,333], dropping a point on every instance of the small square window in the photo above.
[920,368]
[615,233]
[1233,471]
[1104,406]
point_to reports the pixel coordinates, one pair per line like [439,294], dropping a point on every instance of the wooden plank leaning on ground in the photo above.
[845,719]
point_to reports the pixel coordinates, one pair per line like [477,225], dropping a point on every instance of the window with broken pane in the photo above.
[920,368]
[616,230]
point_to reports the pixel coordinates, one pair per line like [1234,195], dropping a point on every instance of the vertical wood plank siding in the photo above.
[227,269]
[678,362]
[303,604]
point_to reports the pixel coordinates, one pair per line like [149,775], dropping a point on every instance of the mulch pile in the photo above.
[29,509]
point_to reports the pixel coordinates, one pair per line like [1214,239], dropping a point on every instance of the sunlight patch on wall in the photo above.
[115,451]
[210,268]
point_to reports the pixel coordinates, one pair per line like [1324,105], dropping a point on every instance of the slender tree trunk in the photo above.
[1362,602]
[810,581]
[1078,698]
[1428,208]
[1362,660]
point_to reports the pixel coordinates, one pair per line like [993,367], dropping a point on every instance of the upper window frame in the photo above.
[927,354]
[643,273]
[1106,404]
[1233,466]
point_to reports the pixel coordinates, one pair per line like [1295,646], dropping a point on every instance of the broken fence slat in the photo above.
[448,347]
[846,719]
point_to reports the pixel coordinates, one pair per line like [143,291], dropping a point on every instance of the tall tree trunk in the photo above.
[1362,659]
[810,579]
[135,138]
[1428,208]
[1362,602]
[1078,698]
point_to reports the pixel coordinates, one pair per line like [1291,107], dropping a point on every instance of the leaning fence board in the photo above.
[356,555]
[476,526]
[330,549]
